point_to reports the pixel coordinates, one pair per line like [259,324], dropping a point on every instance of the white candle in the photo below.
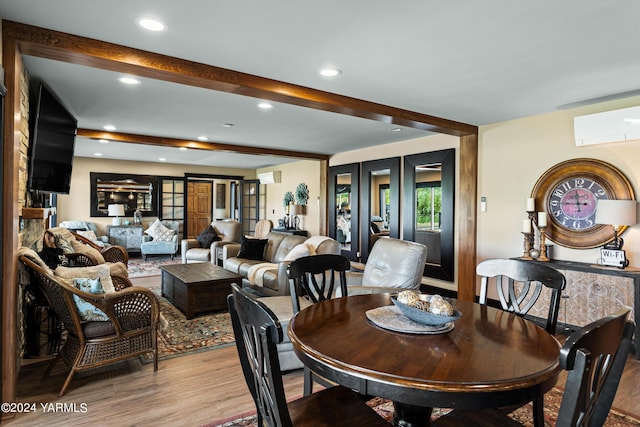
[542,219]
[526,226]
[531,204]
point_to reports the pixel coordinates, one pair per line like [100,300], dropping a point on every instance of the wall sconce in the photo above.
[116,211]
[618,214]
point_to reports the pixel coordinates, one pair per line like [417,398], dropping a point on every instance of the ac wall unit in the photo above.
[610,126]
[269,177]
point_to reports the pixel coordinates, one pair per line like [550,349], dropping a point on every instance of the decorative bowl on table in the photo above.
[425,317]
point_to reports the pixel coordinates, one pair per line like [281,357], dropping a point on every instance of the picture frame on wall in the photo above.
[221,190]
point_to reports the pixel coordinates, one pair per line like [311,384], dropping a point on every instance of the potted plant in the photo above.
[302,196]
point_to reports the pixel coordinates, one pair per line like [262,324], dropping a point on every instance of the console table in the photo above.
[292,231]
[127,236]
[592,292]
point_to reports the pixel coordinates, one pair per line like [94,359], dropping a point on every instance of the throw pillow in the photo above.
[53,257]
[252,248]
[87,311]
[63,244]
[101,271]
[207,237]
[159,232]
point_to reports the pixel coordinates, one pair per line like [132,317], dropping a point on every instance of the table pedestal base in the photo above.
[411,416]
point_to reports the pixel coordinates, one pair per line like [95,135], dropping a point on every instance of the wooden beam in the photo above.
[196,145]
[66,47]
[467,211]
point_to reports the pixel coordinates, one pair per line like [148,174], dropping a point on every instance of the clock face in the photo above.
[569,193]
[572,203]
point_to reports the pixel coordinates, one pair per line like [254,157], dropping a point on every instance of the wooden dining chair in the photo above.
[257,331]
[519,286]
[594,358]
[312,279]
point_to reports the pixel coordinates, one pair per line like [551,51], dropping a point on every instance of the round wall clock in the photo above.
[569,192]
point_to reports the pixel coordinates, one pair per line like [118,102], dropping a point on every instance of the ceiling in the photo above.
[468,61]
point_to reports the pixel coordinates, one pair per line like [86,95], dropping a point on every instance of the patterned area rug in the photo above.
[179,336]
[523,415]
[138,267]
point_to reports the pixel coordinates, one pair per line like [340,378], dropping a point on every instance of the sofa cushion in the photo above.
[286,246]
[199,254]
[252,248]
[207,237]
[299,251]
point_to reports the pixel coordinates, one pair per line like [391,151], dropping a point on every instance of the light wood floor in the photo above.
[190,390]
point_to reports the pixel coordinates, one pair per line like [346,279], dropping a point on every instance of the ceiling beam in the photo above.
[196,145]
[44,43]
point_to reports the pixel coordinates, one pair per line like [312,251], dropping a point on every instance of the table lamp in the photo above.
[618,214]
[116,211]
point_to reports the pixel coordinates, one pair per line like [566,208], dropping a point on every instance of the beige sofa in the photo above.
[268,276]
[229,231]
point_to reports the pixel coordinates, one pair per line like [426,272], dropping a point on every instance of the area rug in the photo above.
[523,415]
[138,267]
[178,336]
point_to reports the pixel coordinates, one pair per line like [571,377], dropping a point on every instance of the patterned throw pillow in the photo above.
[87,311]
[159,232]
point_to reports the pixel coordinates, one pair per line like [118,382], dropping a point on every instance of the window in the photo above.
[428,205]
[172,199]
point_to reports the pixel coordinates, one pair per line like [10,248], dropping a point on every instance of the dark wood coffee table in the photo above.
[197,288]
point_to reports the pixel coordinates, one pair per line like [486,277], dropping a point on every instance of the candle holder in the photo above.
[532,235]
[527,245]
[543,246]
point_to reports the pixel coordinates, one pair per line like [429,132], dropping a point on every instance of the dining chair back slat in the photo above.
[313,277]
[519,286]
[257,332]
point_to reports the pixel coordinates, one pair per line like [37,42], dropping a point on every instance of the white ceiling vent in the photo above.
[610,126]
[272,177]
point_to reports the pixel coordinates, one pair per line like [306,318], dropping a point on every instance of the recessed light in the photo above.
[151,24]
[228,125]
[103,141]
[396,130]
[129,81]
[162,159]
[109,128]
[265,106]
[330,72]
[183,148]
[203,138]
[97,154]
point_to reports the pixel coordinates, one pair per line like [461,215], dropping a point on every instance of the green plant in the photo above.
[302,194]
[288,198]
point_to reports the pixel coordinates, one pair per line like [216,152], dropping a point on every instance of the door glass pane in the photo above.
[428,224]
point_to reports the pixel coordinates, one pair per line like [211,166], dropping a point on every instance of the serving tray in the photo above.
[389,317]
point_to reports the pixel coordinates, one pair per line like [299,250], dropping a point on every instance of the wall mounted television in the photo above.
[52,130]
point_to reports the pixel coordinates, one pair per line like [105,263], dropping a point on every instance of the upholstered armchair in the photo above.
[393,265]
[223,233]
[123,320]
[81,250]
[157,244]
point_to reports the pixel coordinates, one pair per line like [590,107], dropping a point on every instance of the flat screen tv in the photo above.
[52,130]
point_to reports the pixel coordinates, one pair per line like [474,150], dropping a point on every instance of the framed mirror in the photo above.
[428,211]
[344,183]
[380,202]
[133,191]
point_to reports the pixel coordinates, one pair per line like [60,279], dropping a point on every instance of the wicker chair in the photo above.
[131,331]
[89,253]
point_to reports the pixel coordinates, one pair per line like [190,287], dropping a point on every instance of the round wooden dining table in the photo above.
[491,358]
